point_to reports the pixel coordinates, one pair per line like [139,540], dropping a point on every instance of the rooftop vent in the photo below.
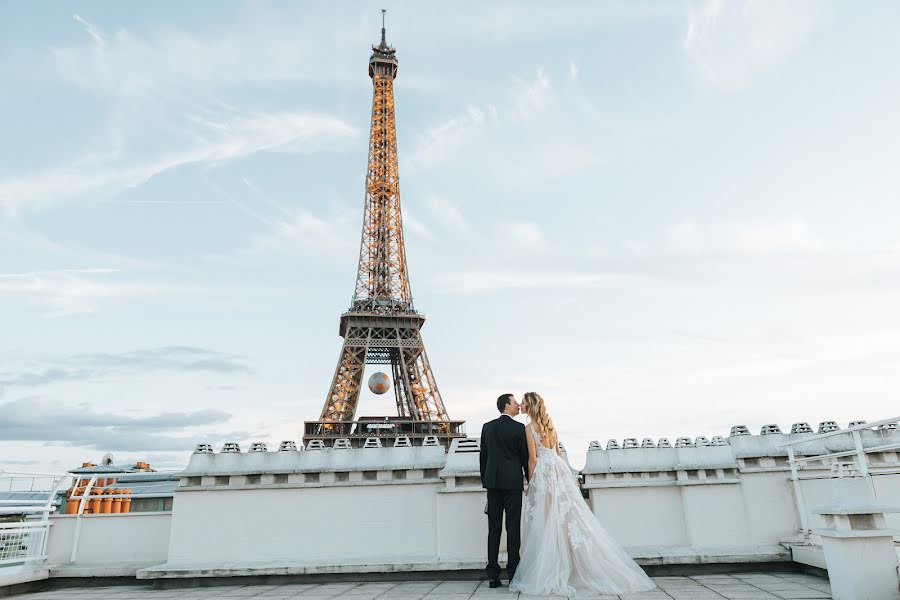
[648,443]
[258,447]
[828,426]
[630,443]
[718,440]
[701,441]
[203,449]
[739,430]
[372,443]
[402,442]
[287,446]
[664,443]
[315,445]
[231,447]
[467,445]
[612,445]
[770,430]
[855,423]
[341,444]
[431,440]
[594,445]
[889,427]
[801,428]
[684,442]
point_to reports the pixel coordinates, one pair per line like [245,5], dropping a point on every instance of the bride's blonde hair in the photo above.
[537,411]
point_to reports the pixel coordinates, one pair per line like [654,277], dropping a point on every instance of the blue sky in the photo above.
[668,218]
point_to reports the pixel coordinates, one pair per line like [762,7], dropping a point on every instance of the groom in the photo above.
[504,462]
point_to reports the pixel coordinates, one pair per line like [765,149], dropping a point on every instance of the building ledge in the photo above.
[23,576]
[99,570]
[175,570]
[698,555]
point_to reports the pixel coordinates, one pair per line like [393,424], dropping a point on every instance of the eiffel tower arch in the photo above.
[382,327]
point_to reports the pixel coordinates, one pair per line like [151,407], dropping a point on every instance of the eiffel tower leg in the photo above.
[400,388]
[435,404]
[422,391]
[343,396]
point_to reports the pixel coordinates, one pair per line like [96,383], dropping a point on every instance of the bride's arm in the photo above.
[532,452]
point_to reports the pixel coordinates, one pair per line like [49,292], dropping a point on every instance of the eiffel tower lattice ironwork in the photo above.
[382,325]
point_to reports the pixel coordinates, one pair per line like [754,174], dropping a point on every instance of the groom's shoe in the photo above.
[494,583]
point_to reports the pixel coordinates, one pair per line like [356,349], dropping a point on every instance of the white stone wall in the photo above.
[114,544]
[732,502]
[326,508]
[421,508]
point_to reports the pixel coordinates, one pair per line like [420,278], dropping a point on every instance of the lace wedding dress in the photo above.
[565,549]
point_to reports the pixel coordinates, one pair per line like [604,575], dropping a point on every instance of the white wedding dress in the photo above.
[565,549]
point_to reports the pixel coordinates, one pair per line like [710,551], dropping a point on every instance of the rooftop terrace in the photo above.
[744,586]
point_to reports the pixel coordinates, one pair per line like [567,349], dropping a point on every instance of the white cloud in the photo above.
[787,236]
[125,63]
[447,213]
[524,101]
[532,95]
[92,31]
[411,223]
[527,133]
[888,258]
[450,136]
[162,109]
[476,281]
[573,70]
[730,42]
[683,238]
[211,142]
[78,291]
[527,237]
[303,231]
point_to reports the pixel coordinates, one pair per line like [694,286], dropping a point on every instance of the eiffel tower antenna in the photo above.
[382,326]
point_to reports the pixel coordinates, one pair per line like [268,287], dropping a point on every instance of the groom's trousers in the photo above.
[499,502]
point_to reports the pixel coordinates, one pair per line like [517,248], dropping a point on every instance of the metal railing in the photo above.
[858,453]
[23,542]
[87,483]
[377,428]
[23,534]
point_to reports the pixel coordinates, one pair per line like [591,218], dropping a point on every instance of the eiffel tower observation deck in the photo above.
[382,326]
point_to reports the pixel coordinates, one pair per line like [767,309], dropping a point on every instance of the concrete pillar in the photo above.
[859,548]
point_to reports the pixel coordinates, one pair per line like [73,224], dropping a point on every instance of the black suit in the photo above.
[504,462]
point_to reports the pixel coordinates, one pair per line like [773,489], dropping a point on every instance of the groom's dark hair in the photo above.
[503,400]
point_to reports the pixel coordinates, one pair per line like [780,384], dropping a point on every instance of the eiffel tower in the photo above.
[382,327]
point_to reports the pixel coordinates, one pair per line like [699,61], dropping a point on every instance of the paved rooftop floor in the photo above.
[743,586]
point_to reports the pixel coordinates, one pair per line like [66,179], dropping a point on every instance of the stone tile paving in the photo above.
[742,586]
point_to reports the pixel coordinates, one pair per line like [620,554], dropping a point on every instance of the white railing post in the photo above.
[78,517]
[46,516]
[859,454]
[798,493]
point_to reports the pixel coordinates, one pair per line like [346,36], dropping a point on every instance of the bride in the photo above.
[565,550]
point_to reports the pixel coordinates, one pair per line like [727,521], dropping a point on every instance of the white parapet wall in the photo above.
[729,502]
[693,504]
[297,512]
[110,545]
[420,508]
